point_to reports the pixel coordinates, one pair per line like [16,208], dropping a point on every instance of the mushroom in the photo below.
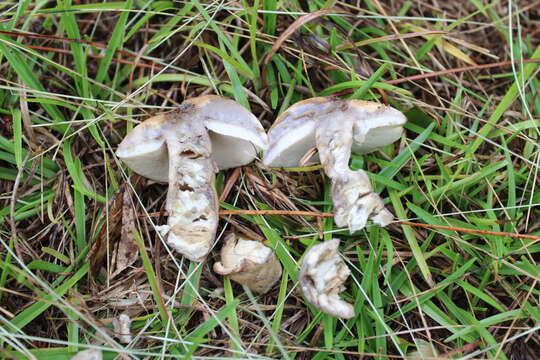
[185,147]
[321,279]
[337,127]
[249,263]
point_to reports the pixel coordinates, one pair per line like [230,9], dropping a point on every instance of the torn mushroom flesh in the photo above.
[185,148]
[250,263]
[338,127]
[322,275]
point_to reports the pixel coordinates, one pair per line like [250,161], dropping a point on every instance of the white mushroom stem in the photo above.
[191,200]
[321,279]
[352,194]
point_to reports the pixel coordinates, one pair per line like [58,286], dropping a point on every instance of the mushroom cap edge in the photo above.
[236,138]
[291,137]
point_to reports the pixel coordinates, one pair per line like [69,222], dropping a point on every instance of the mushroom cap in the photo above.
[144,149]
[249,263]
[293,133]
[236,135]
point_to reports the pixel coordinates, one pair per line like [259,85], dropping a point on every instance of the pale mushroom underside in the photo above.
[236,138]
[293,133]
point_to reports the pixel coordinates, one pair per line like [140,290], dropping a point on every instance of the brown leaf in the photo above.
[295,26]
[229,184]
[108,234]
[126,251]
[117,234]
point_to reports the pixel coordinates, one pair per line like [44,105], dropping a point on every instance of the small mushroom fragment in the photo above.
[249,263]
[122,328]
[185,147]
[424,351]
[337,127]
[321,279]
[89,354]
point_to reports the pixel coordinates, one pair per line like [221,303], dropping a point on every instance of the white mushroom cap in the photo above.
[249,263]
[293,133]
[235,133]
[321,279]
[144,149]
[376,126]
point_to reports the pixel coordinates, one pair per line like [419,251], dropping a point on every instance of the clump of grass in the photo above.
[76,76]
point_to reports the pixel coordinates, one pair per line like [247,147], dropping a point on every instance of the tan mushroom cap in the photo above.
[293,134]
[235,133]
[250,263]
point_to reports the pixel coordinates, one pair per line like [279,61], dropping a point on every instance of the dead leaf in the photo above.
[229,184]
[445,45]
[295,26]
[391,38]
[126,250]
[116,236]
[108,234]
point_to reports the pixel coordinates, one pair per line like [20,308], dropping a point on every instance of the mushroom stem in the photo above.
[191,199]
[352,194]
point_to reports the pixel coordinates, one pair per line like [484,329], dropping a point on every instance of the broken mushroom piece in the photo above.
[89,354]
[321,279]
[185,147]
[337,127]
[249,263]
[424,351]
[122,328]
